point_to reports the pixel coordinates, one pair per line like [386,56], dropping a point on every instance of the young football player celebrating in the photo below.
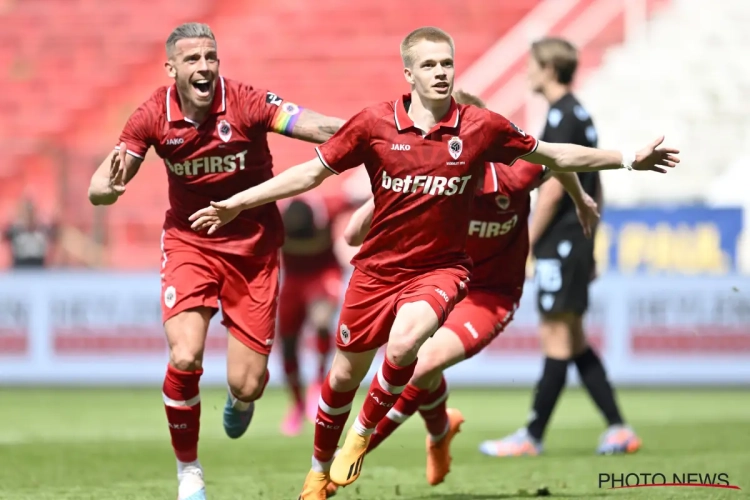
[498,244]
[423,153]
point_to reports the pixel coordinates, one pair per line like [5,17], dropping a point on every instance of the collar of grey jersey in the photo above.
[400,101]
[223,101]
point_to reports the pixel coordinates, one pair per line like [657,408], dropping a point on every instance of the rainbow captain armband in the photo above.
[285,118]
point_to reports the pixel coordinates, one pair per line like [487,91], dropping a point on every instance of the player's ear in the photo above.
[170,69]
[409,76]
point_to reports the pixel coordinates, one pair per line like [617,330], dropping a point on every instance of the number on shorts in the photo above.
[548,275]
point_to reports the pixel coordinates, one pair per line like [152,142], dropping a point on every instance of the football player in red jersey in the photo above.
[310,289]
[423,153]
[498,244]
[211,132]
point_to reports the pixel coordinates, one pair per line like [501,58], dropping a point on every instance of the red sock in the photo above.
[291,370]
[406,406]
[433,410]
[324,350]
[333,411]
[384,391]
[183,405]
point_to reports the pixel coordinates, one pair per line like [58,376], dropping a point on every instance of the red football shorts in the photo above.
[246,286]
[299,291]
[480,318]
[370,305]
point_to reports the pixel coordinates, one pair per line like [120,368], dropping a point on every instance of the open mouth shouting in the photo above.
[202,88]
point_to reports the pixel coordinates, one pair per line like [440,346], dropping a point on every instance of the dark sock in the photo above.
[547,393]
[593,376]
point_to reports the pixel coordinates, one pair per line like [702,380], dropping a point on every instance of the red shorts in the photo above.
[370,305]
[247,288]
[480,318]
[299,291]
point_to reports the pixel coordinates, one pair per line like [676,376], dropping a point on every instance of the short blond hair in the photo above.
[559,54]
[188,30]
[463,97]
[429,33]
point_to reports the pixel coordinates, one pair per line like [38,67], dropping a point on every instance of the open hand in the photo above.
[117,170]
[216,215]
[654,158]
[588,214]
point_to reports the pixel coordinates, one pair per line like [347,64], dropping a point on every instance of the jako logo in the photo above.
[209,165]
[175,141]
[429,184]
[442,294]
[400,147]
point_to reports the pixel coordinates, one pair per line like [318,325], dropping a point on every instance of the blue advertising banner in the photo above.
[692,240]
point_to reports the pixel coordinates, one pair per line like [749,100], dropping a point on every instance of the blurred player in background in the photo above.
[310,289]
[424,154]
[498,244]
[564,267]
[211,133]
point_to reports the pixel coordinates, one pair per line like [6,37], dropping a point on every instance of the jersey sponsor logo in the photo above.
[442,294]
[400,147]
[491,229]
[225,130]
[272,98]
[502,201]
[427,184]
[174,141]
[209,165]
[455,146]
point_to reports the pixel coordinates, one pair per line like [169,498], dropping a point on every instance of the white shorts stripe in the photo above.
[435,403]
[181,404]
[333,411]
[393,389]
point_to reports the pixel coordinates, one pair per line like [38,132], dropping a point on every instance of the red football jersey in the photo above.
[423,183]
[325,209]
[498,241]
[211,161]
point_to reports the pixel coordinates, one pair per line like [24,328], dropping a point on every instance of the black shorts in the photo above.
[564,267]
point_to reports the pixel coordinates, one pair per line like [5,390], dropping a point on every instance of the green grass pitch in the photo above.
[87,444]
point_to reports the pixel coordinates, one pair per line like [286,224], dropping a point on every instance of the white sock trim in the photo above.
[393,389]
[181,404]
[360,428]
[432,405]
[333,411]
[397,416]
[319,466]
[440,436]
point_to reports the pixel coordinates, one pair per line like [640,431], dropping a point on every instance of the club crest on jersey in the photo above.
[455,146]
[225,130]
[502,201]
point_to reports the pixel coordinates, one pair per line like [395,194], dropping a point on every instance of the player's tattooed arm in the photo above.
[311,126]
[359,224]
[109,180]
[301,123]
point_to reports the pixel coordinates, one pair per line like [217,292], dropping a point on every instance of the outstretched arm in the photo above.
[359,223]
[574,158]
[291,182]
